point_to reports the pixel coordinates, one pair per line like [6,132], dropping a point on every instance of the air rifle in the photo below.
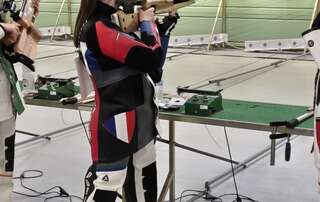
[24,50]
[128,18]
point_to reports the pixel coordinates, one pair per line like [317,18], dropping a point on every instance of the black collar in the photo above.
[103,9]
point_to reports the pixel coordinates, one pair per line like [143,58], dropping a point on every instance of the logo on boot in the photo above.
[105,178]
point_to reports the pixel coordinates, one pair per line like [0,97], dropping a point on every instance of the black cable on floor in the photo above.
[205,194]
[197,194]
[238,199]
[187,195]
[242,197]
[52,193]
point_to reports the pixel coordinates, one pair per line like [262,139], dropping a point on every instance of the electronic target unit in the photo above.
[203,105]
[56,89]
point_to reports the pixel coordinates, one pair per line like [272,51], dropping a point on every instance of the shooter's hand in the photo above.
[35,4]
[12,32]
[146,15]
[168,23]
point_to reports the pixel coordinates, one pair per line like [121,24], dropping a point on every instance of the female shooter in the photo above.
[123,68]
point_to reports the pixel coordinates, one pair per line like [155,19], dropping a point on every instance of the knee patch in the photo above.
[103,181]
[145,156]
[7,154]
[110,179]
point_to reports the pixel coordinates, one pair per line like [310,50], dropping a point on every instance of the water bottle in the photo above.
[159,92]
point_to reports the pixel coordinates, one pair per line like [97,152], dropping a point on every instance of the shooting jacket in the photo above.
[123,68]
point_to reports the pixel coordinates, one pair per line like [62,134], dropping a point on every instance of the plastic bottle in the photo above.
[159,92]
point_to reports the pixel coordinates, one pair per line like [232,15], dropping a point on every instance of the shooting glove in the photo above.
[167,25]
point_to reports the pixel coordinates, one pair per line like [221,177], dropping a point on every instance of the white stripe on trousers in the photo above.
[121,127]
[141,159]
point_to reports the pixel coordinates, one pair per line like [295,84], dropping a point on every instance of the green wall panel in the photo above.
[189,26]
[245,19]
[49,10]
[257,29]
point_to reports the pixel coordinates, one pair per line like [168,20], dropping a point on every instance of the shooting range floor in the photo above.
[66,157]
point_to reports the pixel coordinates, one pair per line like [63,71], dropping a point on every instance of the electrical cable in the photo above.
[232,167]
[62,117]
[84,127]
[212,137]
[242,197]
[187,195]
[205,194]
[239,197]
[198,193]
[54,192]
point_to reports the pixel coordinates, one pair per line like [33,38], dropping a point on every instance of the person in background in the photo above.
[123,68]
[10,105]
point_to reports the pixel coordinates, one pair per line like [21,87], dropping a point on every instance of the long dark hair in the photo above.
[87,8]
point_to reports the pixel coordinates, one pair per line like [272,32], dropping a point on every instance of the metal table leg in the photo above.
[170,180]
[273,152]
[172,158]
[273,148]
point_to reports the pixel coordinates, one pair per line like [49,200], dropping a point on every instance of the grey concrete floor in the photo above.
[66,157]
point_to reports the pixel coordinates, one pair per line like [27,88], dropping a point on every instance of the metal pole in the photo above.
[31,134]
[172,158]
[273,148]
[70,14]
[240,167]
[215,23]
[224,17]
[198,151]
[165,187]
[57,21]
[273,152]
[49,134]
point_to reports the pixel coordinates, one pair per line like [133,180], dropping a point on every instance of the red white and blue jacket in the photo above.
[123,68]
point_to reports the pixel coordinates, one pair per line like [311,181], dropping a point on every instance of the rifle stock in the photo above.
[30,35]
[129,22]
[166,6]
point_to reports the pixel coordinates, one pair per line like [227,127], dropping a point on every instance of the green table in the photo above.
[236,114]
[249,115]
